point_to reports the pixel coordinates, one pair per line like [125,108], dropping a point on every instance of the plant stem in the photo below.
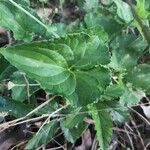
[144,28]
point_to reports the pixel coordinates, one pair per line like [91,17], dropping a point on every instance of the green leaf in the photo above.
[70,67]
[14,108]
[8,71]
[5,69]
[43,136]
[22,24]
[107,2]
[124,11]
[4,63]
[113,91]
[97,20]
[120,114]
[63,29]
[111,26]
[83,47]
[74,133]
[92,19]
[88,4]
[74,118]
[103,124]
[147,5]
[1,117]
[140,7]
[131,97]
[97,30]
[141,26]
[22,2]
[48,108]
[139,77]
[126,51]
[118,111]
[19,91]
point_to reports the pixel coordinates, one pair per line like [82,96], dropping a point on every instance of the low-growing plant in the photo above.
[93,64]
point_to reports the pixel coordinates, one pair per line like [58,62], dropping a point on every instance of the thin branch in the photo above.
[13,123]
[56,148]
[39,107]
[16,146]
[60,146]
[53,113]
[143,118]
[139,135]
[22,119]
[130,139]
[122,130]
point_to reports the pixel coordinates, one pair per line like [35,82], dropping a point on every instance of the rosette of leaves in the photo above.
[73,67]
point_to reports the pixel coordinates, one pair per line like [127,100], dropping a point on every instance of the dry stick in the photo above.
[148,144]
[148,100]
[56,136]
[40,106]
[15,147]
[122,130]
[95,144]
[113,145]
[53,113]
[56,148]
[139,135]
[130,139]
[30,120]
[129,127]
[25,121]
[61,146]
[143,118]
[46,121]
[13,123]
[52,139]
[122,144]
[109,109]
[9,124]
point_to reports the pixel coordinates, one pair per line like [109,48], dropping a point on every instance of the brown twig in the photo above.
[139,135]
[143,118]
[130,138]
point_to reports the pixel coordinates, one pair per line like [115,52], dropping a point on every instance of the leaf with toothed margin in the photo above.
[43,136]
[103,124]
[69,66]
[139,76]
